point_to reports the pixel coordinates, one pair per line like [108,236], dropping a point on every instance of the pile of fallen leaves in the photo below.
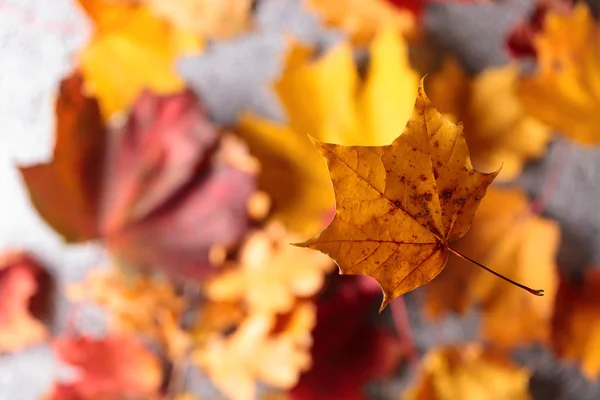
[212,215]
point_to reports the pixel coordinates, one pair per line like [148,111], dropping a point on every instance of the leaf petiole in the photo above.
[538,292]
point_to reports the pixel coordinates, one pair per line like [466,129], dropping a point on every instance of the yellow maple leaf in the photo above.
[469,372]
[506,236]
[564,92]
[255,353]
[497,128]
[361,19]
[398,206]
[207,18]
[327,99]
[124,296]
[131,49]
[271,274]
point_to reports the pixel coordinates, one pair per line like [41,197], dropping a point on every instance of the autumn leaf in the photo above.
[469,372]
[149,190]
[142,49]
[508,237]
[360,350]
[497,128]
[327,99]
[20,278]
[66,191]
[362,19]
[576,322]
[124,296]
[563,91]
[207,18]
[398,206]
[271,273]
[114,367]
[254,353]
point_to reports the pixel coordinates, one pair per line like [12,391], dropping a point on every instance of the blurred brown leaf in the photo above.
[66,191]
[576,322]
[469,372]
[508,238]
[565,89]
[20,278]
[116,367]
[256,352]
[271,273]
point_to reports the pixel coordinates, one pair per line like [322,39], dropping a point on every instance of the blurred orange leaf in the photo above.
[19,282]
[362,19]
[271,273]
[576,323]
[132,49]
[507,237]
[327,99]
[256,353]
[565,89]
[497,128]
[110,368]
[207,18]
[469,372]
[398,206]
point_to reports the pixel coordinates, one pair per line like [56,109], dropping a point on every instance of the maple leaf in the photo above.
[124,297]
[271,273]
[152,190]
[20,278]
[142,49]
[208,18]
[362,19]
[359,352]
[469,372]
[575,325]
[398,206]
[335,106]
[497,128]
[563,91]
[255,353]
[507,236]
[109,368]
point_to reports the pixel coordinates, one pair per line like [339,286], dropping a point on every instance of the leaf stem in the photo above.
[537,292]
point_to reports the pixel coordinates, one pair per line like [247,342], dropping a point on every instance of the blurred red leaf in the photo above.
[349,350]
[20,278]
[150,189]
[66,190]
[117,367]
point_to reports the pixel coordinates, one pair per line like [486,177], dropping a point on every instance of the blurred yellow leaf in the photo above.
[469,372]
[207,18]
[255,352]
[508,238]
[564,92]
[126,296]
[497,128]
[271,273]
[361,19]
[327,99]
[131,49]
[398,206]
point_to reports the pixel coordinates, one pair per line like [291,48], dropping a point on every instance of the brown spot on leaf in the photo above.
[423,177]
[447,194]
